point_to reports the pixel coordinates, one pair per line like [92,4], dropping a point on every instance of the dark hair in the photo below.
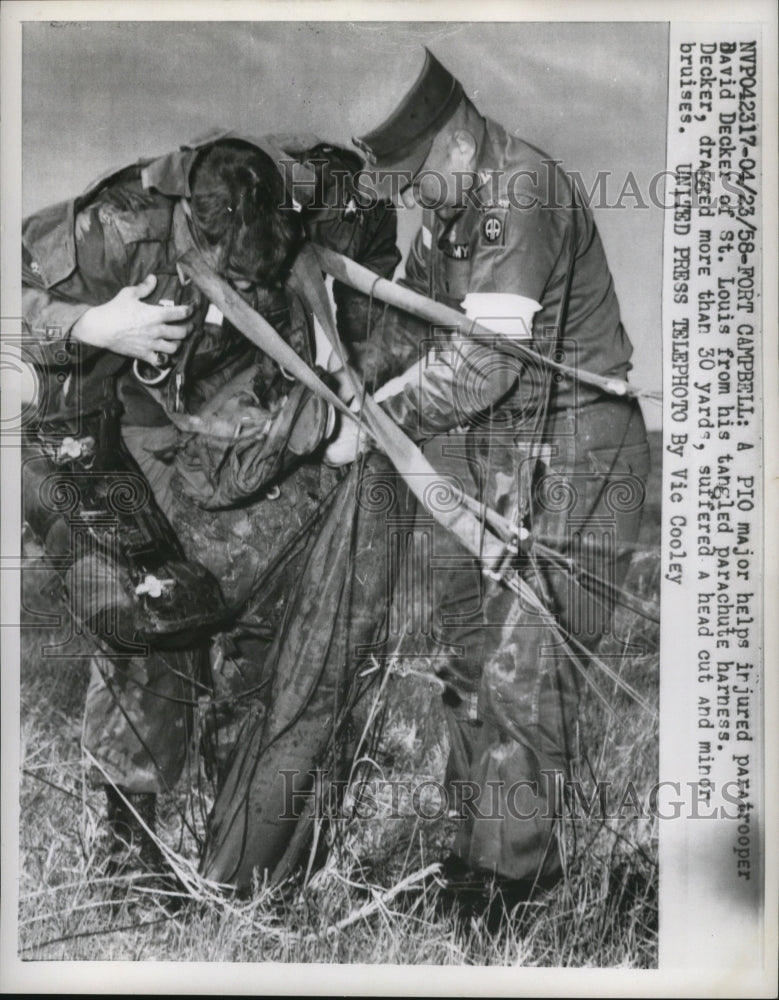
[237,199]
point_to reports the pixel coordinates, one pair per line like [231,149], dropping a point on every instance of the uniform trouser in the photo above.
[139,714]
[139,711]
[512,697]
[138,718]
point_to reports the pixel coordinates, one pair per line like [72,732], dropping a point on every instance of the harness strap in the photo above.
[420,476]
[356,276]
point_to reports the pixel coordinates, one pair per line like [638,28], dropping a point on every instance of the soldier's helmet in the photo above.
[402,141]
[240,213]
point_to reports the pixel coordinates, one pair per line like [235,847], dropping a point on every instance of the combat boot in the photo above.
[471,893]
[131,819]
[133,851]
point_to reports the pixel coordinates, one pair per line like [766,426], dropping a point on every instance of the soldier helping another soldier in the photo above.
[521,402]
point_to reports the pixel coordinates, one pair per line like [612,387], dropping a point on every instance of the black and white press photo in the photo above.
[383,491]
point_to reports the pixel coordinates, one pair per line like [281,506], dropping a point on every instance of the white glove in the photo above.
[344,387]
[346,445]
[350,440]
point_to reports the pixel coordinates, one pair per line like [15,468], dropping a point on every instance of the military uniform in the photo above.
[81,253]
[555,457]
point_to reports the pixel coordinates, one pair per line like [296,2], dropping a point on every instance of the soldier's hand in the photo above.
[350,439]
[127,325]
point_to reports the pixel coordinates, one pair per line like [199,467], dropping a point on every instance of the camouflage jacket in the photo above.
[82,252]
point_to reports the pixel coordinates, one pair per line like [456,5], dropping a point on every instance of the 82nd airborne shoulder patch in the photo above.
[493,228]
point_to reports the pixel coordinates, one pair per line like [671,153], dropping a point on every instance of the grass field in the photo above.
[367,904]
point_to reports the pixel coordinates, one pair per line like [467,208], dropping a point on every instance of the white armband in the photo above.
[507,314]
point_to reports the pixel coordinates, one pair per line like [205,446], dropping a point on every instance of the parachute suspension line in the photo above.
[536,445]
[347,669]
[482,514]
[369,324]
[505,530]
[205,750]
[370,737]
[576,648]
[341,715]
[344,661]
[538,435]
[377,729]
[197,684]
[595,582]
[363,384]
[611,674]
[377,721]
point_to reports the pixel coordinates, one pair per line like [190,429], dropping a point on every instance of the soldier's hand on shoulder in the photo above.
[136,329]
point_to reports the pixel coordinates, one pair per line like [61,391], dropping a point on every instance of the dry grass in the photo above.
[602,914]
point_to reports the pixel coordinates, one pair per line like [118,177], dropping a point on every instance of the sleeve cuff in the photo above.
[49,331]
